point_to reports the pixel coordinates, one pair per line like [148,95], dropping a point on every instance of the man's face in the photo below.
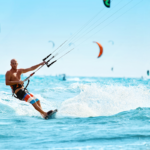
[14,64]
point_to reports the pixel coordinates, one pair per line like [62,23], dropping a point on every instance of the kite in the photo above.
[71,44]
[101,49]
[107,3]
[53,44]
[112,42]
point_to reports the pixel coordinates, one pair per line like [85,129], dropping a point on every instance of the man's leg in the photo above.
[39,104]
[37,107]
[35,102]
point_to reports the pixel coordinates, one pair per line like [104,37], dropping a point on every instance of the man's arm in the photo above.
[32,68]
[8,82]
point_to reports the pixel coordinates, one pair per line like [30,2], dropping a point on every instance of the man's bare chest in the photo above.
[15,76]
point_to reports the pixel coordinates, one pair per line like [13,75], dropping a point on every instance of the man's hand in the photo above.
[43,63]
[21,82]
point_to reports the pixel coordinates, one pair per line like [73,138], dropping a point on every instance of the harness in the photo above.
[17,86]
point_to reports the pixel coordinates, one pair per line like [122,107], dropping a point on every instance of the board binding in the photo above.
[51,114]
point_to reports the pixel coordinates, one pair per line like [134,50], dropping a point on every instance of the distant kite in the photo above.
[101,49]
[112,42]
[71,44]
[53,44]
[107,3]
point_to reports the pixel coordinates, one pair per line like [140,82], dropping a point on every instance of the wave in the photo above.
[81,79]
[92,100]
[96,100]
[20,107]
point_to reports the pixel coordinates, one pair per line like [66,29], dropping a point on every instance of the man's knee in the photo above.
[35,105]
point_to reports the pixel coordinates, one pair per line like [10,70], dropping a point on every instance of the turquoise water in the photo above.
[93,114]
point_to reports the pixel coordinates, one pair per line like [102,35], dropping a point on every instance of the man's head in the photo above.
[14,63]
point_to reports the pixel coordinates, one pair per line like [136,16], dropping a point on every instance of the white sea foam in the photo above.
[23,108]
[82,79]
[96,100]
[73,79]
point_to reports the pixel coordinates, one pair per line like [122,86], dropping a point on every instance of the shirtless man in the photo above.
[13,79]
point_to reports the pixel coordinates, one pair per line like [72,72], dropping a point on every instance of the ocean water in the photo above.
[94,113]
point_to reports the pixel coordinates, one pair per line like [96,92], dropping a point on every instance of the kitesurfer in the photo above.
[13,79]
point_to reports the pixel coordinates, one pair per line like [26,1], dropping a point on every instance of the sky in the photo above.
[26,27]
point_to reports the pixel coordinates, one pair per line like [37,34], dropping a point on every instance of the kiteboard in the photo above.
[51,114]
